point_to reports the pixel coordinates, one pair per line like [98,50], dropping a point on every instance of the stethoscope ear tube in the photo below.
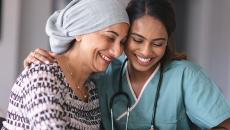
[156,99]
[120,93]
[128,107]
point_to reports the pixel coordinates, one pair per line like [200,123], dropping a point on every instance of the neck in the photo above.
[138,78]
[139,75]
[72,65]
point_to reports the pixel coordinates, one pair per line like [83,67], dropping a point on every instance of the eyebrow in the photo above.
[157,39]
[115,33]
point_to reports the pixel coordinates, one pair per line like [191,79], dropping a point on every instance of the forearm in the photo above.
[225,125]
[42,105]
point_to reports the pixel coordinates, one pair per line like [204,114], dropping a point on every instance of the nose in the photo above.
[147,50]
[116,50]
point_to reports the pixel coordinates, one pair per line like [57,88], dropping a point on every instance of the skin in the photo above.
[148,40]
[108,42]
[145,48]
[91,53]
[142,45]
[94,52]
[102,47]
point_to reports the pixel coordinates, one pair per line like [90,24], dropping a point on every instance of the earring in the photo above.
[78,38]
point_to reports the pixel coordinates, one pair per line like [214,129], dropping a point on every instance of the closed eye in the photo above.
[159,43]
[110,39]
[136,39]
[123,41]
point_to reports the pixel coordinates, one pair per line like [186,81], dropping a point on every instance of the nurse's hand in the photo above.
[39,55]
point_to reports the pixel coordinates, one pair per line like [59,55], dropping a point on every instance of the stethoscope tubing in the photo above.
[122,93]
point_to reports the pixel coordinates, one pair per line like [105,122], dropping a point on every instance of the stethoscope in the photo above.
[124,94]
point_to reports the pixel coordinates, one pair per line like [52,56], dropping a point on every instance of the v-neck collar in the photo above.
[132,91]
[145,85]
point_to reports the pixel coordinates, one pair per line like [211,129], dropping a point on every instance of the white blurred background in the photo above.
[203,32]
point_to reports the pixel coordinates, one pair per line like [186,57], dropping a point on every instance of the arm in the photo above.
[223,126]
[42,102]
[205,105]
[39,55]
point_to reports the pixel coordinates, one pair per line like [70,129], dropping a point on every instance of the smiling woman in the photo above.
[62,95]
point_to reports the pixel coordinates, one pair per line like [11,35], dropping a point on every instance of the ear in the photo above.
[78,38]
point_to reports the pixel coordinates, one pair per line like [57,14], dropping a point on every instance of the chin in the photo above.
[141,69]
[144,68]
[101,69]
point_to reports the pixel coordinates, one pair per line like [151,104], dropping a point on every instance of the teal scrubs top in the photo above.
[188,99]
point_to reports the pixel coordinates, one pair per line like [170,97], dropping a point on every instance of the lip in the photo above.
[143,61]
[106,58]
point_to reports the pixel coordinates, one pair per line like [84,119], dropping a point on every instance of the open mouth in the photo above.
[106,58]
[143,60]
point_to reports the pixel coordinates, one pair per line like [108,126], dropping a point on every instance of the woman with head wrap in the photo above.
[166,92]
[87,35]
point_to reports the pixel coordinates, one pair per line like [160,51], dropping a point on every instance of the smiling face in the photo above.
[100,48]
[146,44]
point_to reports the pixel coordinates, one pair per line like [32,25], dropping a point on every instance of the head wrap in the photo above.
[81,17]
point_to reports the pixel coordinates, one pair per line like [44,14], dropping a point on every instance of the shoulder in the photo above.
[190,77]
[184,67]
[196,88]
[44,85]
[116,65]
[40,77]
[37,91]
[186,73]
[42,71]
[52,69]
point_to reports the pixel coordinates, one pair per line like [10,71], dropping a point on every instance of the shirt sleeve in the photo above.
[43,102]
[205,104]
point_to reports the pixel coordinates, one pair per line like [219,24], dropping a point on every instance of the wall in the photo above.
[208,41]
[34,14]
[205,35]
[219,44]
[8,48]
[23,30]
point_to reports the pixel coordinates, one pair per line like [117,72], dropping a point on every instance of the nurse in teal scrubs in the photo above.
[187,100]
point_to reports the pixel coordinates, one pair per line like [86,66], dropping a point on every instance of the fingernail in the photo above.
[37,62]
[47,62]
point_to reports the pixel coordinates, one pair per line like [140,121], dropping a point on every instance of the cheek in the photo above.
[94,44]
[129,46]
[127,51]
[102,43]
[160,52]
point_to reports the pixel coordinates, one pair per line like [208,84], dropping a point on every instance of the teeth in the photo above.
[105,57]
[142,59]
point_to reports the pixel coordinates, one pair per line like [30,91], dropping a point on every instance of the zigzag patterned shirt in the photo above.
[42,99]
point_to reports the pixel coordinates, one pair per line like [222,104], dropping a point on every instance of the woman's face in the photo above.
[100,48]
[146,44]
